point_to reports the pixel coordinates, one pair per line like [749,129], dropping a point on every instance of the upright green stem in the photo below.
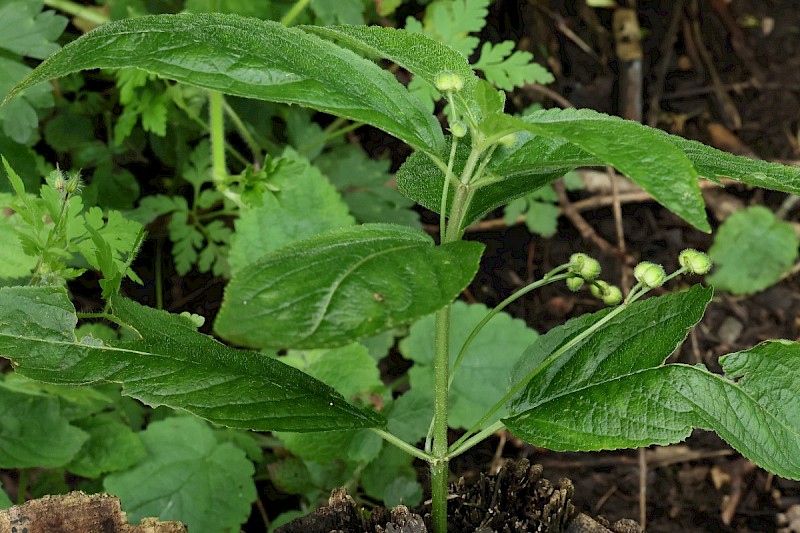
[78,10]
[296,9]
[217,126]
[439,463]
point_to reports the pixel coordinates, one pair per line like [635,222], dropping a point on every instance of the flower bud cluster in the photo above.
[650,274]
[694,261]
[586,268]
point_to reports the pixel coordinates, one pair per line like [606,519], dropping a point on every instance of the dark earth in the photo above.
[723,72]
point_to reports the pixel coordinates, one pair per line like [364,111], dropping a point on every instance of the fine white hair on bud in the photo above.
[650,274]
[448,81]
[694,261]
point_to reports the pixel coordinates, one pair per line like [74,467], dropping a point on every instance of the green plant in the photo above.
[597,382]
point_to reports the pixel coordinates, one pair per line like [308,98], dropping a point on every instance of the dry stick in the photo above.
[730,114]
[550,93]
[583,227]
[657,87]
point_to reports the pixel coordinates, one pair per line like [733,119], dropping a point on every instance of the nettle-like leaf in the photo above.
[282,217]
[612,390]
[481,379]
[342,285]
[25,31]
[255,59]
[34,431]
[187,475]
[169,364]
[752,250]
[364,185]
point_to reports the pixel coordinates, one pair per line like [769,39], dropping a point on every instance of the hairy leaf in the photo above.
[758,415]
[255,59]
[752,250]
[342,285]
[188,476]
[170,364]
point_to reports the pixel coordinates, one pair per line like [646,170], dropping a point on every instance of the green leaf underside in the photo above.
[752,250]
[252,58]
[342,285]
[189,476]
[170,365]
[646,157]
[512,173]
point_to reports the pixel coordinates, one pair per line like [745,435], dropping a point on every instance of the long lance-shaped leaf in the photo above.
[611,390]
[252,58]
[415,52]
[642,154]
[342,285]
[759,415]
[171,364]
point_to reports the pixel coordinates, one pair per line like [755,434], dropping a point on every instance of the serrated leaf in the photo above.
[712,164]
[344,284]
[451,22]
[19,118]
[237,56]
[171,364]
[339,11]
[27,31]
[187,476]
[392,478]
[483,376]
[112,446]
[508,69]
[752,250]
[758,415]
[283,217]
[33,431]
[640,336]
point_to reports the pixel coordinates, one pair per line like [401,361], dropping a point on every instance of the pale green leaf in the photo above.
[339,11]
[254,59]
[16,263]
[752,250]
[482,379]
[451,22]
[283,217]
[19,117]
[112,446]
[343,284]
[187,476]
[27,31]
[508,69]
[34,433]
[171,364]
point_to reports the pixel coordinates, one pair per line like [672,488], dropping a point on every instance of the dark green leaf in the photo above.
[344,284]
[532,163]
[639,152]
[255,59]
[641,336]
[171,364]
[759,415]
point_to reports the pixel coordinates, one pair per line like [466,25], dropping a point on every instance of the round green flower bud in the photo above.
[449,81]
[575,284]
[458,129]
[599,289]
[508,140]
[73,184]
[694,261]
[613,295]
[584,266]
[649,274]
